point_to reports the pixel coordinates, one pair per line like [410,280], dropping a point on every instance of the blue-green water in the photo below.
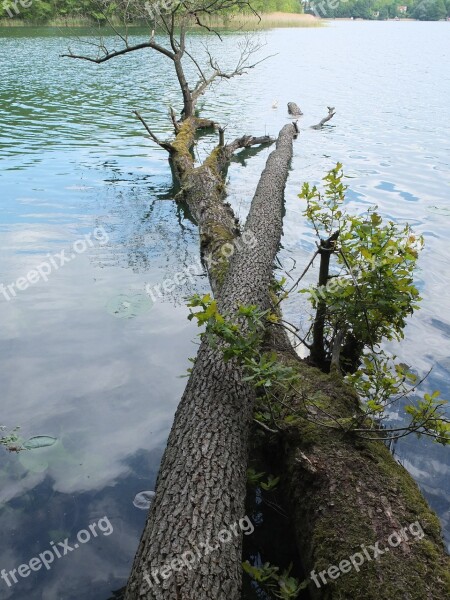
[74,160]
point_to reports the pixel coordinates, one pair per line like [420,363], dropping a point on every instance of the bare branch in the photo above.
[173,116]
[308,266]
[331,113]
[247,141]
[204,26]
[222,136]
[108,55]
[244,64]
[265,427]
[164,145]
[197,64]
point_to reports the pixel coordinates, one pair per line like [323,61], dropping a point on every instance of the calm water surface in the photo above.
[85,357]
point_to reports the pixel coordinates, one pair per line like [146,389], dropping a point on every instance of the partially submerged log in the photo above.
[201,485]
[203,189]
[294,110]
[344,494]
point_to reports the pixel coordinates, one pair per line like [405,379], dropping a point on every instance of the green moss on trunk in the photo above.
[345,493]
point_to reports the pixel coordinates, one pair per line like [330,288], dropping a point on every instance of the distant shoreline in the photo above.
[268,21]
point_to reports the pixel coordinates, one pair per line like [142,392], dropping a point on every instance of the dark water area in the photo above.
[87,356]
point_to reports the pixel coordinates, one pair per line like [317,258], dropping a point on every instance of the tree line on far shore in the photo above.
[43,11]
[423,10]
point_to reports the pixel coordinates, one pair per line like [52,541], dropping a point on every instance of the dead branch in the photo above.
[204,26]
[164,145]
[331,113]
[243,66]
[173,116]
[173,21]
[247,141]
[109,55]
[222,136]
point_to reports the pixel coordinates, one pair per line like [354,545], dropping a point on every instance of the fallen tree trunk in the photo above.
[202,480]
[203,189]
[343,493]
[332,481]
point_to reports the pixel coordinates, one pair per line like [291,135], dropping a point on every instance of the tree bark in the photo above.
[318,353]
[201,485]
[203,189]
[294,110]
[342,492]
[346,494]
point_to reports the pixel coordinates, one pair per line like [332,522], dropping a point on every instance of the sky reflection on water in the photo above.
[74,158]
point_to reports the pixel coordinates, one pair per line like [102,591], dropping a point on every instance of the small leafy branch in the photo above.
[363,302]
[380,383]
[367,293]
[279,585]
[263,370]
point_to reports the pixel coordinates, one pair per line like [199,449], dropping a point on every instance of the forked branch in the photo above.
[244,64]
[331,113]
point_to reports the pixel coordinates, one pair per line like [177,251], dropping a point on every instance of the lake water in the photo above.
[85,356]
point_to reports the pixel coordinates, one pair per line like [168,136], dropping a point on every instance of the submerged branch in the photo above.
[247,141]
[331,113]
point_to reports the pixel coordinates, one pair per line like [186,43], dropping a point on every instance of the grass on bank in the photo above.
[248,22]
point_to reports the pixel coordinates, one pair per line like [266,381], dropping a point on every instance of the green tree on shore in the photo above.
[41,11]
[431,10]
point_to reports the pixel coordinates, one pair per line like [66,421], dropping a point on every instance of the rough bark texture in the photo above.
[202,480]
[344,493]
[294,109]
[203,189]
[318,353]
